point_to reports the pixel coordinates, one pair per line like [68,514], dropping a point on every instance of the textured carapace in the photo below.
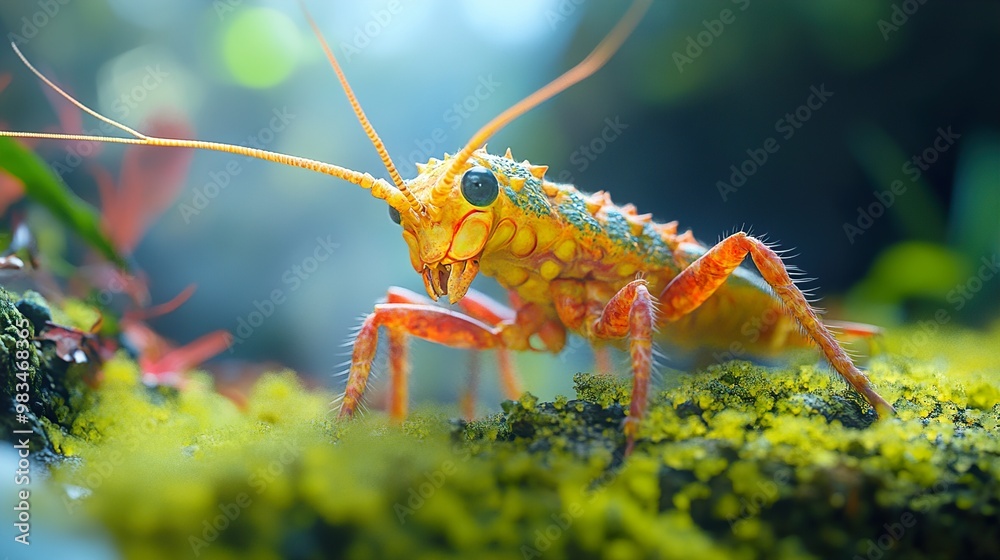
[532,232]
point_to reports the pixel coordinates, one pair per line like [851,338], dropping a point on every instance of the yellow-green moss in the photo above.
[737,461]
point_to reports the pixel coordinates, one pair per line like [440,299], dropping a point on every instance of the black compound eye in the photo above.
[480,186]
[394,215]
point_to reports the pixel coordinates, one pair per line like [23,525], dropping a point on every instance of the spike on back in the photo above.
[538,171]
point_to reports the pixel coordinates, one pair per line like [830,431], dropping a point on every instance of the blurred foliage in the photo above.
[260,47]
[45,188]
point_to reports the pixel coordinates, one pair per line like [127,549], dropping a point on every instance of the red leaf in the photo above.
[170,368]
[151,178]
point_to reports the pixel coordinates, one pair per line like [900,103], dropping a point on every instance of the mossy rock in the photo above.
[51,383]
[737,461]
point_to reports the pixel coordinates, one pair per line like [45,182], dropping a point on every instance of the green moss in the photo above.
[51,384]
[737,461]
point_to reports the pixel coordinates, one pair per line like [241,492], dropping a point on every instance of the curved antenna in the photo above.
[379,188]
[362,118]
[594,61]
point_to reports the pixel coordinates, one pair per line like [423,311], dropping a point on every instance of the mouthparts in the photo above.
[451,279]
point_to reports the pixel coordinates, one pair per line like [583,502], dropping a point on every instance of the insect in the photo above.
[573,262]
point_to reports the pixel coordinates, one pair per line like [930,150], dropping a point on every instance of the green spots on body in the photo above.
[655,248]
[619,232]
[530,198]
[260,47]
[574,211]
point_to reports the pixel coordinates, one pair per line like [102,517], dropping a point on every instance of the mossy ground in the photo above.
[737,461]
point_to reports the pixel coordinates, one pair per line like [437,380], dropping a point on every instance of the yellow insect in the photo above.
[573,262]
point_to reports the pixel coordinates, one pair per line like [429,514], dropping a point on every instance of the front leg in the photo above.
[702,278]
[476,305]
[421,320]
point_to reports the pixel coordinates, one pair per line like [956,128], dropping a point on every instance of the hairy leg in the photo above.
[630,313]
[702,278]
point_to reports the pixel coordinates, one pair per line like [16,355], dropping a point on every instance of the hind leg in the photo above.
[702,278]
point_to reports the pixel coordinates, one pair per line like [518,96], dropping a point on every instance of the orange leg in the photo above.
[399,373]
[850,328]
[510,383]
[467,403]
[602,359]
[424,321]
[480,306]
[848,332]
[699,281]
[476,305]
[630,313]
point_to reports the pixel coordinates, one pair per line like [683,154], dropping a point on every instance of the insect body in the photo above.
[576,263]
[572,262]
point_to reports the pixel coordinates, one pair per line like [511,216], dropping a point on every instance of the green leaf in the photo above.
[47,189]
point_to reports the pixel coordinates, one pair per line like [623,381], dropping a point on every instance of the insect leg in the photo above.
[698,282]
[630,313]
[467,402]
[602,359]
[399,374]
[579,307]
[486,309]
[428,322]
[850,328]
[480,306]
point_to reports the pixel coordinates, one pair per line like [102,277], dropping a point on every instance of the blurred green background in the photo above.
[698,88]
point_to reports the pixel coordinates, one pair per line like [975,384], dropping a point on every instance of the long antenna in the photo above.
[379,188]
[594,61]
[362,118]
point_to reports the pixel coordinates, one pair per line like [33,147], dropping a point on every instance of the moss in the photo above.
[51,383]
[737,461]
